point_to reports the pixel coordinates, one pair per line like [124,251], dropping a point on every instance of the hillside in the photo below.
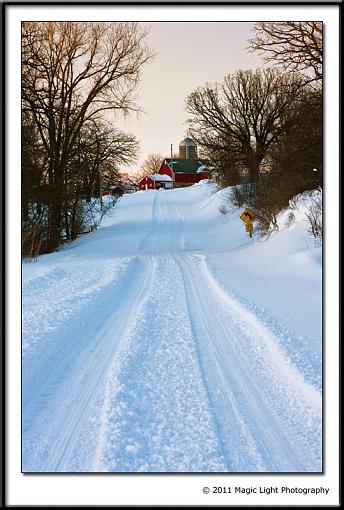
[169,341]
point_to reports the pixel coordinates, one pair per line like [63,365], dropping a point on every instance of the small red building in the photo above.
[156,181]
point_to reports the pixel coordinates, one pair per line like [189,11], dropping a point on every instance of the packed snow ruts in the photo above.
[163,369]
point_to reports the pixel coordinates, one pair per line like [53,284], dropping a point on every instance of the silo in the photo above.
[187,149]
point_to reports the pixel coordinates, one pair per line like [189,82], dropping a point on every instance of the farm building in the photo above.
[188,168]
[156,181]
[129,188]
[185,172]
[116,190]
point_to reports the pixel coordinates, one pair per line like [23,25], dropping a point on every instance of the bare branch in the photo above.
[295,46]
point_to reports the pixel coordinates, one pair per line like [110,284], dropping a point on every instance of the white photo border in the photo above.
[163,489]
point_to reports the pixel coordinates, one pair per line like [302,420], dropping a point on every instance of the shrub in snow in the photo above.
[34,231]
[242,194]
[304,208]
[314,216]
[290,219]
[80,218]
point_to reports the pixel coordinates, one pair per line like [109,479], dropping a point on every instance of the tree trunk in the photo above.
[54,224]
[74,220]
[25,208]
[55,214]
[67,226]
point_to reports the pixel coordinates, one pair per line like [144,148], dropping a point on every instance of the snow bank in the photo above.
[281,272]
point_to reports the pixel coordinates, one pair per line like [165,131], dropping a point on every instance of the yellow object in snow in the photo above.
[247,216]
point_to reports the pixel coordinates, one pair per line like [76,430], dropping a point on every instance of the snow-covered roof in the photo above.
[160,177]
[204,168]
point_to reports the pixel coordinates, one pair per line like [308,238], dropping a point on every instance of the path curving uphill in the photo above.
[175,375]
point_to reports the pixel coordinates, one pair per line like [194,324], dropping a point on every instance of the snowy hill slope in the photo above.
[167,341]
[282,273]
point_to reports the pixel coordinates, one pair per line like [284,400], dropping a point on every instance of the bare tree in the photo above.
[152,163]
[295,161]
[223,153]
[297,154]
[72,72]
[97,156]
[150,166]
[32,163]
[294,45]
[133,178]
[243,115]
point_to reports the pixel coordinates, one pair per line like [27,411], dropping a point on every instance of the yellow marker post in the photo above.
[249,228]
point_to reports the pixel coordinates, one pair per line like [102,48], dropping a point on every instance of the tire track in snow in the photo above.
[62,318]
[263,406]
[150,240]
[177,243]
[156,412]
[68,402]
[268,416]
[58,411]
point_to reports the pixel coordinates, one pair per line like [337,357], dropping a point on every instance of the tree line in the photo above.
[262,129]
[76,77]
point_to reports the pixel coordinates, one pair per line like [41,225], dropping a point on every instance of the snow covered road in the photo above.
[140,361]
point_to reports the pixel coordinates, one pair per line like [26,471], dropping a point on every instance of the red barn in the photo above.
[185,172]
[156,181]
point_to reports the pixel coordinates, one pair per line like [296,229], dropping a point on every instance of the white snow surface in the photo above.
[169,341]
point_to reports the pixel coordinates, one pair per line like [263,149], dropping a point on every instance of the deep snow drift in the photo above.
[168,341]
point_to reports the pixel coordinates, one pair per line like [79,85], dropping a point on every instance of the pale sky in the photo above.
[189,54]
